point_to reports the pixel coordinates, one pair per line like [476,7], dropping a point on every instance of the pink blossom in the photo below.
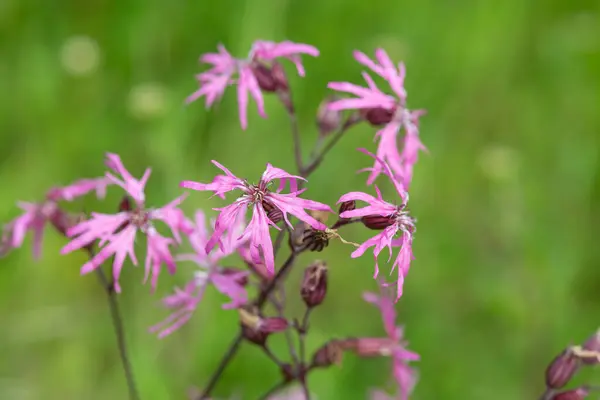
[263,202]
[258,73]
[383,109]
[393,219]
[116,233]
[230,283]
[36,215]
[394,345]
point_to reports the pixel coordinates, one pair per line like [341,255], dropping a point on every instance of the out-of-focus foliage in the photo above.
[507,268]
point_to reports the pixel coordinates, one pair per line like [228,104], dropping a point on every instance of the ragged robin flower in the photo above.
[393,345]
[392,219]
[227,281]
[259,72]
[116,233]
[37,215]
[262,200]
[380,109]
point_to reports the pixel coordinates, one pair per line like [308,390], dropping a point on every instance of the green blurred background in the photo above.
[508,200]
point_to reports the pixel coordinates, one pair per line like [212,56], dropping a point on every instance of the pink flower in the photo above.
[383,109]
[259,72]
[227,281]
[266,206]
[36,215]
[116,233]
[394,345]
[393,219]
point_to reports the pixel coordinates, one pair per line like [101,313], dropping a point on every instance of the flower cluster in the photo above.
[273,205]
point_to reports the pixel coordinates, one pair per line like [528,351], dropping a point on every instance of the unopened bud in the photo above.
[328,354]
[257,329]
[314,284]
[592,345]
[561,369]
[574,394]
[328,120]
[378,116]
[377,222]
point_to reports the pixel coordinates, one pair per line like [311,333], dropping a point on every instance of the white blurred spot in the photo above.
[147,100]
[80,55]
[499,163]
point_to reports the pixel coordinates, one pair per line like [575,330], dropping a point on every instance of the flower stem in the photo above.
[547,395]
[231,351]
[117,322]
[234,346]
[279,304]
[318,157]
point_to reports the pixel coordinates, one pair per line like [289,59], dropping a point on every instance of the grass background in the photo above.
[508,200]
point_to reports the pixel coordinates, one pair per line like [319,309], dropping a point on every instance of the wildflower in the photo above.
[393,219]
[258,73]
[261,198]
[394,345]
[382,109]
[227,281]
[116,233]
[36,215]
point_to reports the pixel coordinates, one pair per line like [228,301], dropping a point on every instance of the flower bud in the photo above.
[257,329]
[328,120]
[574,394]
[314,284]
[592,345]
[377,222]
[561,369]
[328,354]
[378,116]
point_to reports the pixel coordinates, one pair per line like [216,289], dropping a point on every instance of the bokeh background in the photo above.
[507,200]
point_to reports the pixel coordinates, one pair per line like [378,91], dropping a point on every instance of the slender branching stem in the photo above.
[117,322]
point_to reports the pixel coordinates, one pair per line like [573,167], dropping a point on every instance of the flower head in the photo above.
[382,109]
[392,219]
[116,233]
[258,73]
[393,345]
[37,215]
[229,282]
[263,202]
